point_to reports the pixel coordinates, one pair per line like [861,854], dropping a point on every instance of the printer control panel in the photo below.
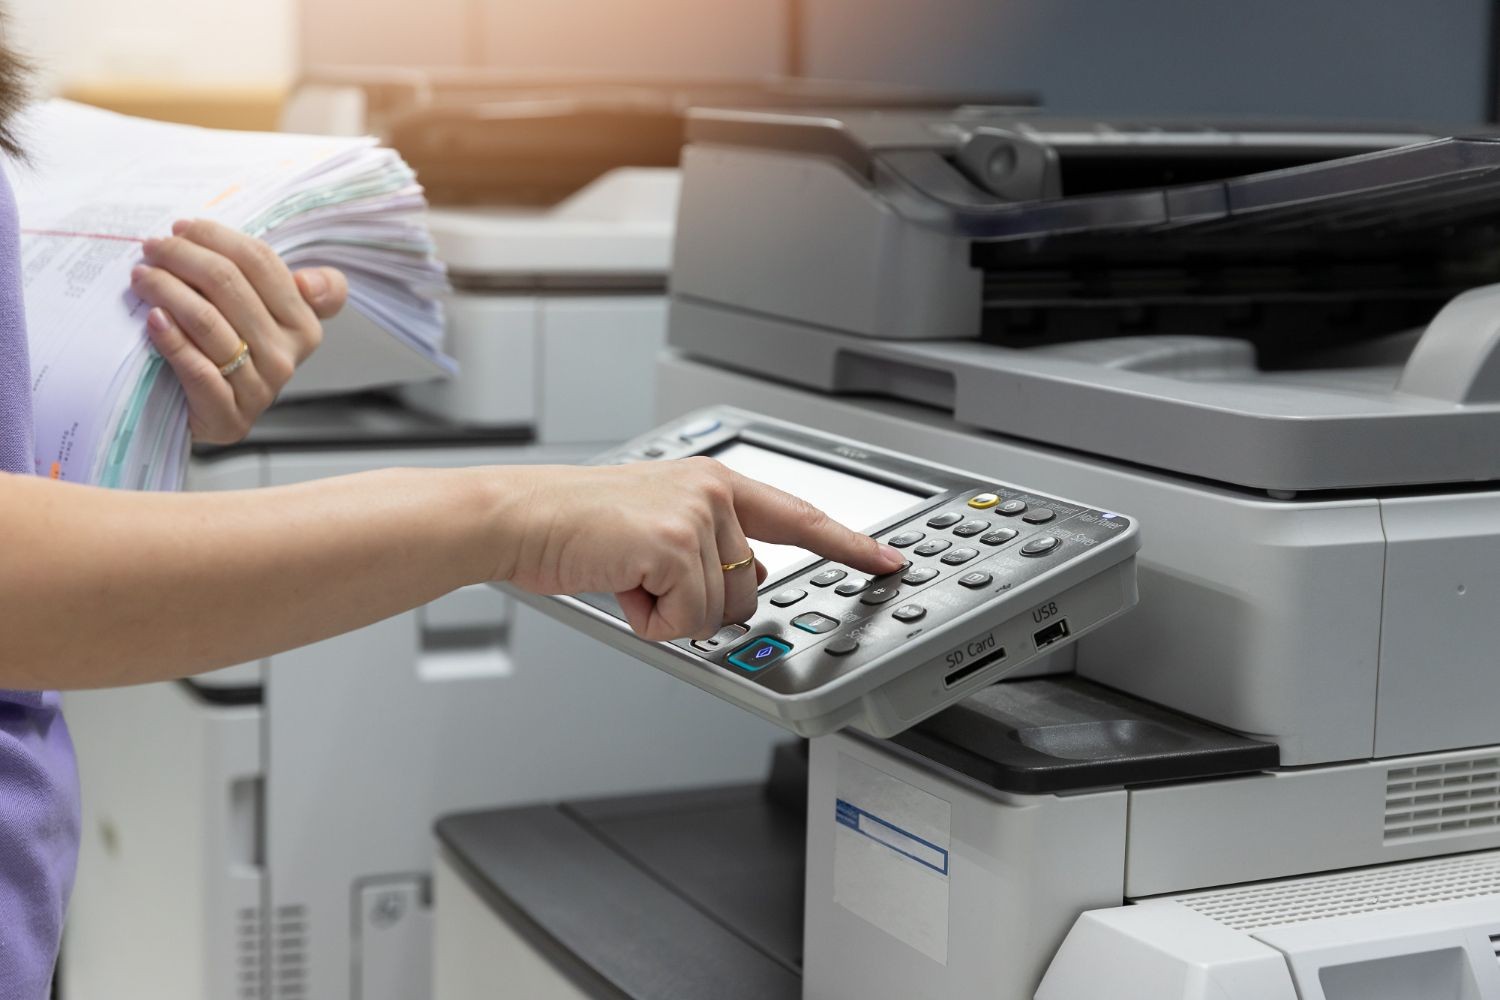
[995,576]
[970,548]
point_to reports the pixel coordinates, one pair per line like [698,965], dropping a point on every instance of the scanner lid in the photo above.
[1152,293]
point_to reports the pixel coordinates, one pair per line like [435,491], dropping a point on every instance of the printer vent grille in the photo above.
[290,949]
[247,982]
[1449,799]
[1368,890]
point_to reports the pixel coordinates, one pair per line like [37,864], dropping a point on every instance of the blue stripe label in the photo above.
[888,834]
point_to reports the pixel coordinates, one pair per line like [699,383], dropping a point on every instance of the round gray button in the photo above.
[842,646]
[1040,545]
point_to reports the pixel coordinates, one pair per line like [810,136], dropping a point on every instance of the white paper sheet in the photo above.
[99,184]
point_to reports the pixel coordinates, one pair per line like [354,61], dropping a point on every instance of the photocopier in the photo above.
[1278,777]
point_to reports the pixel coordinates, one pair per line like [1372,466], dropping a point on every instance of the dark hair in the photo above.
[15,88]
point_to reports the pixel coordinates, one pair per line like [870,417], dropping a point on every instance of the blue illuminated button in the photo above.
[759,654]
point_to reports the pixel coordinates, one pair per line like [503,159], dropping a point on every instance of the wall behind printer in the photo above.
[682,38]
[1411,59]
[1372,58]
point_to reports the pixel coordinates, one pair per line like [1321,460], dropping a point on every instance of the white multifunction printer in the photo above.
[1278,777]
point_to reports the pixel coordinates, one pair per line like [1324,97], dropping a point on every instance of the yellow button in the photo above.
[984,501]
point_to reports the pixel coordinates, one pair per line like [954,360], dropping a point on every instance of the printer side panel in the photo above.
[1440,640]
[920,887]
[805,238]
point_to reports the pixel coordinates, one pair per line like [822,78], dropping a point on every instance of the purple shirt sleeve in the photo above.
[39,809]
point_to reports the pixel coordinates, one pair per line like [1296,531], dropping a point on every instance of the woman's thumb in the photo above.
[324,288]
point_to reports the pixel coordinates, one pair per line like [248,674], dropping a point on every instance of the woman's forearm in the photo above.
[101,588]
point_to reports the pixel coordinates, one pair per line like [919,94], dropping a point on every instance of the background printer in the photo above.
[288,803]
[1286,360]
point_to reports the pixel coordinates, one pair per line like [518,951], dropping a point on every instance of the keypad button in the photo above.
[1040,545]
[960,556]
[1039,515]
[909,613]
[817,624]
[1000,536]
[947,520]
[932,547]
[698,429]
[852,587]
[726,635]
[654,451]
[880,595]
[905,539]
[975,580]
[971,528]
[787,598]
[984,501]
[759,653]
[1011,508]
[841,646]
[919,576]
[828,577]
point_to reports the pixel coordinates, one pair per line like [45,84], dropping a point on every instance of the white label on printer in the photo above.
[890,856]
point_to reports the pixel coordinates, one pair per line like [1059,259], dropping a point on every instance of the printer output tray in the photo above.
[1197,406]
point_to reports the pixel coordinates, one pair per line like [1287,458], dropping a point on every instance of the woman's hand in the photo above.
[212,287]
[658,535]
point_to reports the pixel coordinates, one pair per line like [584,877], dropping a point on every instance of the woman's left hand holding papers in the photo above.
[216,294]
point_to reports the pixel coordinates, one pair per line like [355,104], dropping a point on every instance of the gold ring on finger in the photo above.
[730,567]
[237,362]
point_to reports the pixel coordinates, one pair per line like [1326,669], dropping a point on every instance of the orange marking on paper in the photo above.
[56,472]
[227,193]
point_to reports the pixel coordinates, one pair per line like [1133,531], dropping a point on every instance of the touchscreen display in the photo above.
[859,503]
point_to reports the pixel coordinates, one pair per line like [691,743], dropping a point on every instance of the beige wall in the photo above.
[208,43]
[711,38]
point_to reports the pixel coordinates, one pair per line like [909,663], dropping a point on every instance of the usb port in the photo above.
[1056,632]
[974,666]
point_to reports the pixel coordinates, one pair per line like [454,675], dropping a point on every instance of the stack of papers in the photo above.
[107,409]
